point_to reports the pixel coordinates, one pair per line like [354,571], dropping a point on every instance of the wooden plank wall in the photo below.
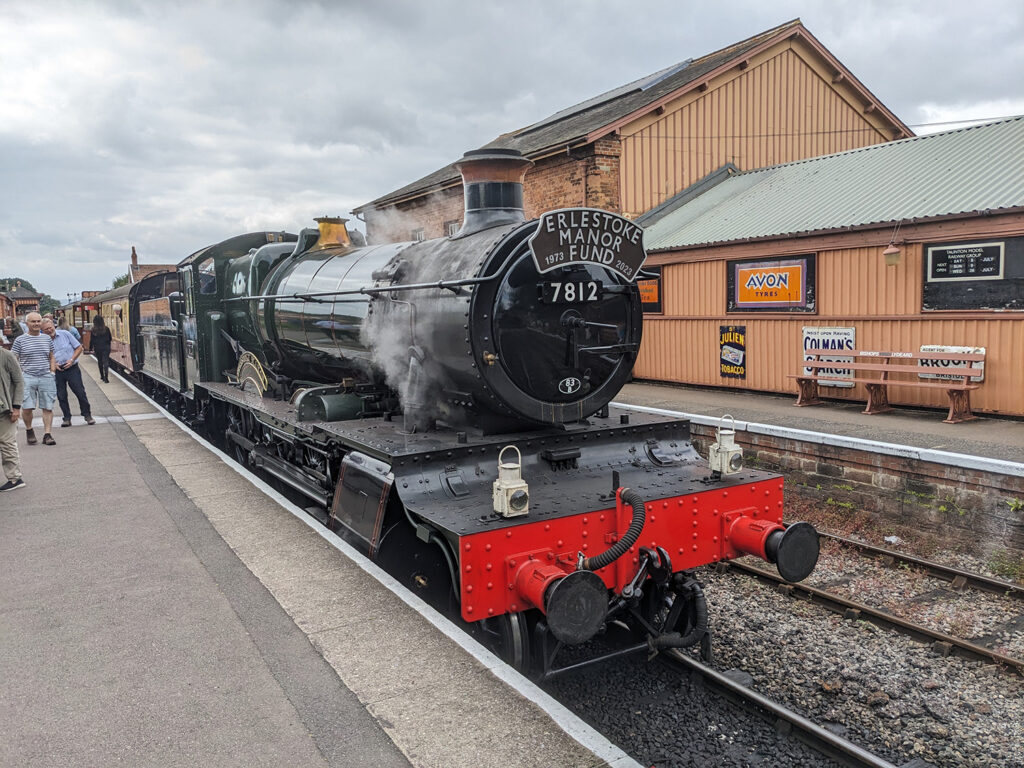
[855,288]
[779,109]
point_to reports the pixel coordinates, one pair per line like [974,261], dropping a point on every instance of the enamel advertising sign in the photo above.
[819,338]
[732,345]
[773,285]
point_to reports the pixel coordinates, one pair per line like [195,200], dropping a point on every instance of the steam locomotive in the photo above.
[444,405]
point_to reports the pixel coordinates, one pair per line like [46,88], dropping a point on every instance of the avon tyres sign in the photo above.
[772,285]
[588,236]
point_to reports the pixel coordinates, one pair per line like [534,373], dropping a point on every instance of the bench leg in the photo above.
[959,406]
[878,399]
[808,394]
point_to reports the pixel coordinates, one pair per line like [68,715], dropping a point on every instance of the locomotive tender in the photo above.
[444,405]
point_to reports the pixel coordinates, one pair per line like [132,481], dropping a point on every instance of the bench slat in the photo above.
[892,382]
[974,357]
[959,370]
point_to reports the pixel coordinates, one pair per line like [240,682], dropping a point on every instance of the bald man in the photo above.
[34,351]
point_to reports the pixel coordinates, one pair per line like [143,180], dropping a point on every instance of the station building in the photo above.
[893,247]
[773,98]
[16,301]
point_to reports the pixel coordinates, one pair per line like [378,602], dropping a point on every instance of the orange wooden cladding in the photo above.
[855,288]
[780,109]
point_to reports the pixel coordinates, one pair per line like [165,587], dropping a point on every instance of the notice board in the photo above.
[983,273]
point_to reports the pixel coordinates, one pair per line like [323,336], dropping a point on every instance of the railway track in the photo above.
[836,748]
[942,642]
[957,578]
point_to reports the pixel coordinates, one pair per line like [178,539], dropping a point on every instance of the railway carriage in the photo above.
[445,406]
[113,308]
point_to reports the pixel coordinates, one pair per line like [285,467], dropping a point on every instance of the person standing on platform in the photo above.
[12,389]
[63,325]
[66,351]
[34,351]
[99,345]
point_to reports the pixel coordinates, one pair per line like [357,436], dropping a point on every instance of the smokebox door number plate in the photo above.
[571,291]
[588,236]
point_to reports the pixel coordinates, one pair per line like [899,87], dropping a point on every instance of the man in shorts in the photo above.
[34,351]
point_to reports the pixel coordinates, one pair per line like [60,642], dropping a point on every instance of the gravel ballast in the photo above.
[874,686]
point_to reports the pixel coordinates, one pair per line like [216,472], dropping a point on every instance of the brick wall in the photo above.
[588,176]
[973,508]
[429,213]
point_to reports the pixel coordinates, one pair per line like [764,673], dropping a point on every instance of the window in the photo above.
[206,273]
[186,287]
[451,227]
[977,274]
[418,235]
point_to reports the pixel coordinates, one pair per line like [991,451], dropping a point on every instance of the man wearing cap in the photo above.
[66,351]
[34,351]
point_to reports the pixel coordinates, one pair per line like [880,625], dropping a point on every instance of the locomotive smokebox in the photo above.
[492,181]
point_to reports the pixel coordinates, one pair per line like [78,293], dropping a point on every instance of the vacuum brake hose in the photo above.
[620,547]
[700,622]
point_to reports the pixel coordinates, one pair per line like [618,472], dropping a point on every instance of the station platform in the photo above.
[160,608]
[996,439]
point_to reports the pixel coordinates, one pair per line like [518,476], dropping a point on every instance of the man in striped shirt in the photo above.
[34,351]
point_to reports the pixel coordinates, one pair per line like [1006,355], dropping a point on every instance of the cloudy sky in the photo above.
[173,125]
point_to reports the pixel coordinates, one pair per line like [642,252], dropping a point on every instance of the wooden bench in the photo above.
[884,364]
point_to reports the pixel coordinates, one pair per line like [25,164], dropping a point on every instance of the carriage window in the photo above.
[186,287]
[207,276]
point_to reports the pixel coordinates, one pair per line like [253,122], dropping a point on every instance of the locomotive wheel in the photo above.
[236,421]
[508,636]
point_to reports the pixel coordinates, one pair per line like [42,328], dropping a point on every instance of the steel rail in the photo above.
[957,577]
[836,747]
[852,609]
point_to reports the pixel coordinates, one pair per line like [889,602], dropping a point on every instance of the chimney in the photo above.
[492,183]
[135,259]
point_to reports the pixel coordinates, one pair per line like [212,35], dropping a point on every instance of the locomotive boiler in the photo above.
[445,406]
[462,328]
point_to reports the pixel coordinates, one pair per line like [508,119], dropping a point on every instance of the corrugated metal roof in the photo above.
[957,172]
